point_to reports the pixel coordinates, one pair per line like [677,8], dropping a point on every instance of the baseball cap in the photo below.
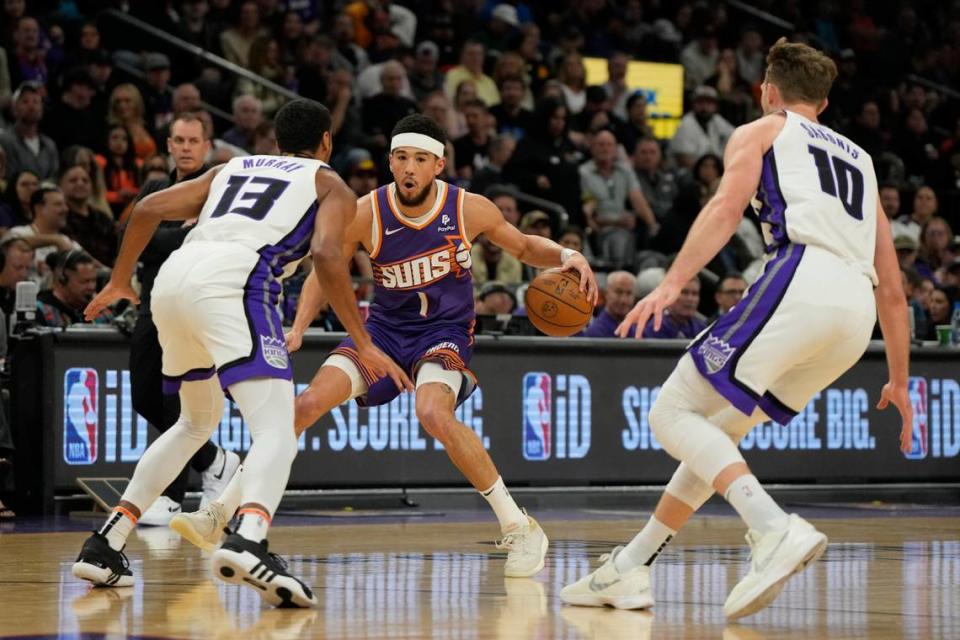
[904,243]
[704,91]
[531,218]
[359,159]
[429,49]
[155,61]
[507,13]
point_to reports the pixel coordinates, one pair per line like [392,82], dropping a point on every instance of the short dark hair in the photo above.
[300,125]
[68,260]
[38,196]
[733,275]
[419,123]
[913,276]
[476,103]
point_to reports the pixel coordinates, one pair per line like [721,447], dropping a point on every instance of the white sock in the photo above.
[507,511]
[253,524]
[755,505]
[645,546]
[230,498]
[118,526]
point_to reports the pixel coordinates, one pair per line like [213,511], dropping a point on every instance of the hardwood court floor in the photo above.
[882,577]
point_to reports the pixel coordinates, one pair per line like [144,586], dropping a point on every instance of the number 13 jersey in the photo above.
[818,188]
[267,204]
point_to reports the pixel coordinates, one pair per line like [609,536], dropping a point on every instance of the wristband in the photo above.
[566,254]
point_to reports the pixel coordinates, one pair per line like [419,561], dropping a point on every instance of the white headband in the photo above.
[419,141]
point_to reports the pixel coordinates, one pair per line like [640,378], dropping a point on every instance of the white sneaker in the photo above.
[218,475]
[204,527]
[607,586]
[160,512]
[526,549]
[775,556]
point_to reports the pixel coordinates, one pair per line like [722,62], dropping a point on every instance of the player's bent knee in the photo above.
[663,418]
[436,420]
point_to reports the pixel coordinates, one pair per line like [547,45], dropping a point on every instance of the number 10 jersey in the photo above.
[818,188]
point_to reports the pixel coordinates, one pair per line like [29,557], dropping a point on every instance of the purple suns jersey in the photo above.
[421,267]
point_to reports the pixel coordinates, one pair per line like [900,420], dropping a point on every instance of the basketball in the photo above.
[555,304]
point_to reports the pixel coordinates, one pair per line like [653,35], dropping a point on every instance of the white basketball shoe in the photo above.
[608,587]
[160,513]
[204,528]
[775,556]
[526,549]
[216,478]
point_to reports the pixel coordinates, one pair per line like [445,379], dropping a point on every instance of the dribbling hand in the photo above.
[382,365]
[294,340]
[898,395]
[588,281]
[654,304]
[109,295]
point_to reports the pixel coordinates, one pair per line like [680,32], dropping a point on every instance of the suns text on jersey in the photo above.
[424,269]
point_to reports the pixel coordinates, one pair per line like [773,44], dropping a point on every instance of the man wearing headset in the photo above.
[74,283]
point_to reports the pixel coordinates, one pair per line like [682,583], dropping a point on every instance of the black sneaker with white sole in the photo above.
[101,565]
[242,561]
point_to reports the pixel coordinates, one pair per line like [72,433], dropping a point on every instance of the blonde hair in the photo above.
[800,72]
[113,117]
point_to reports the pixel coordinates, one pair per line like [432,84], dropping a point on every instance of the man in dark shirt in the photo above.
[188,144]
[472,150]
[74,284]
[92,228]
[510,115]
[73,118]
[382,111]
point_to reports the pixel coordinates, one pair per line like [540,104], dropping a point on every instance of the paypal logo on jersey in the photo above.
[445,226]
[81,387]
[537,397]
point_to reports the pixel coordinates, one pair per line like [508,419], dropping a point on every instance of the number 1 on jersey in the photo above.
[847,186]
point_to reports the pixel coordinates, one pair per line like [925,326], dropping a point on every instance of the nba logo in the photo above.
[537,398]
[81,388]
[920,439]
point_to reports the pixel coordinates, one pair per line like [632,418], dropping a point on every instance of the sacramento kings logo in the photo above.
[715,353]
[274,352]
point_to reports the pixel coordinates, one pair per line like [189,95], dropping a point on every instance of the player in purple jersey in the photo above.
[418,231]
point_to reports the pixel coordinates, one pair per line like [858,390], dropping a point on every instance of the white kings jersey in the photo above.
[819,188]
[265,203]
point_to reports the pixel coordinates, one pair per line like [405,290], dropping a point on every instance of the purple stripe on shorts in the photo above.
[269,357]
[718,350]
[171,384]
[774,209]
[779,412]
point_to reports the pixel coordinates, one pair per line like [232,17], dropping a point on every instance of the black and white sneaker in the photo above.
[242,561]
[102,565]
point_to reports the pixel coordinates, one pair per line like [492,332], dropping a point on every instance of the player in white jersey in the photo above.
[215,306]
[831,267]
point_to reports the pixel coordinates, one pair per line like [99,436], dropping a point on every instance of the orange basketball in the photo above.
[555,304]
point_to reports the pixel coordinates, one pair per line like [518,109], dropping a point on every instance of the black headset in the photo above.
[70,261]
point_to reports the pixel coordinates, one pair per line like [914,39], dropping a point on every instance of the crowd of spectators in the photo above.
[87,102]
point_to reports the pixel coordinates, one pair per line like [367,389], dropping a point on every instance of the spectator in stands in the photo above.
[360,172]
[699,58]
[88,43]
[382,111]
[546,160]
[949,260]
[471,68]
[265,61]
[912,288]
[750,59]
[16,209]
[619,297]
[867,130]
[247,116]
[614,202]
[501,148]
[571,237]
[158,104]
[495,298]
[572,75]
[196,29]
[940,310]
[729,292]
[906,248]
[120,171]
[186,99]
[73,286]
[73,119]
[536,223]
[265,140]
[510,115]
[238,39]
[510,64]
[27,60]
[681,319]
[425,78]
[16,260]
[100,69]
[472,150]
[951,274]
[636,127]
[735,95]
[92,228]
[925,206]
[616,85]
[500,29]
[917,145]
[890,200]
[436,106]
[702,130]
[27,149]
[490,262]
[347,53]
[220,150]
[466,93]
[126,108]
[506,202]
[45,233]
[935,238]
[658,184]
